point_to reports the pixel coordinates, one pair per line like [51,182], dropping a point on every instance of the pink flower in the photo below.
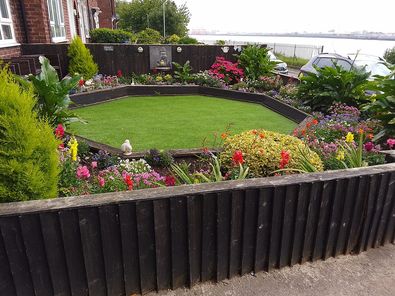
[369,146]
[59,131]
[101,181]
[94,164]
[391,143]
[83,172]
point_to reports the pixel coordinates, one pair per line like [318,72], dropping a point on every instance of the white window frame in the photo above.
[58,10]
[8,22]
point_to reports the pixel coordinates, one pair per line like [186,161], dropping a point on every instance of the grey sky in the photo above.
[291,15]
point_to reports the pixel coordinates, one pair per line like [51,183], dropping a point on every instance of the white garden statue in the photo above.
[126,148]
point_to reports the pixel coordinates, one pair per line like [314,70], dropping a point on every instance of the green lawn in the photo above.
[173,122]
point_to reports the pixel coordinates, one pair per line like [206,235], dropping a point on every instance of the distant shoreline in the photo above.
[335,36]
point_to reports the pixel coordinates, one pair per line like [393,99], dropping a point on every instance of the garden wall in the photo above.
[134,242]
[125,57]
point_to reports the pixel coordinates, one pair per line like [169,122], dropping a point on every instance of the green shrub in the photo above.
[105,35]
[149,36]
[188,40]
[220,42]
[262,152]
[331,85]
[173,39]
[53,95]
[182,73]
[382,105]
[29,164]
[255,62]
[389,55]
[81,60]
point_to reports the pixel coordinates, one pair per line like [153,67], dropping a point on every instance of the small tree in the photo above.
[149,36]
[29,163]
[81,59]
[173,39]
[389,55]
[255,62]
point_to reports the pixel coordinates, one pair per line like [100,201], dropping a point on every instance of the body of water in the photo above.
[332,45]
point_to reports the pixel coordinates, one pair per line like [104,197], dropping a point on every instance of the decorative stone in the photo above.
[126,148]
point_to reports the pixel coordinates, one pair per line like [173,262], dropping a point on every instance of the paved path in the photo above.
[369,274]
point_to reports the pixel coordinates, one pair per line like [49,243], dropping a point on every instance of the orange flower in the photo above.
[254,132]
[261,135]
[360,131]
[370,136]
[224,135]
[303,132]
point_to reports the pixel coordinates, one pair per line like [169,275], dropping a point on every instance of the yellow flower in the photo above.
[350,137]
[340,155]
[73,144]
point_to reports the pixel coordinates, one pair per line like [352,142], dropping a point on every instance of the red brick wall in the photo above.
[66,19]
[19,29]
[8,52]
[108,10]
[36,12]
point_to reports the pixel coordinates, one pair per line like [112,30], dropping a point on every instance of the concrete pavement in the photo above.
[371,273]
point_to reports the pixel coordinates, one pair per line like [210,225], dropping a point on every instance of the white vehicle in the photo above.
[281,66]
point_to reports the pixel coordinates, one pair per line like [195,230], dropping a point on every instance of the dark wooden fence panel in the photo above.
[125,57]
[130,243]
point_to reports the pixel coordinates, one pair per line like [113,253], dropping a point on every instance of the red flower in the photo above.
[119,74]
[285,157]
[170,181]
[238,157]
[315,121]
[129,182]
[81,82]
[205,150]
[369,146]
[59,131]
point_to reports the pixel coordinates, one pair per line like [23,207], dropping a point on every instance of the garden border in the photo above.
[154,239]
[98,96]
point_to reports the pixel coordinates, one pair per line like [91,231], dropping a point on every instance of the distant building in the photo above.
[50,21]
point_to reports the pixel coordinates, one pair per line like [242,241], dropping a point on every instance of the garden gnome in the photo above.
[126,148]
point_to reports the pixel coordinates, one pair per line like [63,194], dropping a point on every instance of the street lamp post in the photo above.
[164,19]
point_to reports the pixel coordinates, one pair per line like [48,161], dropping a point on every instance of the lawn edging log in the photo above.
[125,243]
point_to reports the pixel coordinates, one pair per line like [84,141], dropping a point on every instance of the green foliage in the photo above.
[220,42]
[159,158]
[182,73]
[382,105]
[182,174]
[138,15]
[105,35]
[149,36]
[262,152]
[205,79]
[188,40]
[173,39]
[81,60]
[353,154]
[389,55]
[53,95]
[292,61]
[330,85]
[255,62]
[29,165]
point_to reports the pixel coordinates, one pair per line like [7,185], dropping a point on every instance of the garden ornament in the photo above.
[126,148]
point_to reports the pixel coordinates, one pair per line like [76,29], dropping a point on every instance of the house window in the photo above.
[6,29]
[56,20]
